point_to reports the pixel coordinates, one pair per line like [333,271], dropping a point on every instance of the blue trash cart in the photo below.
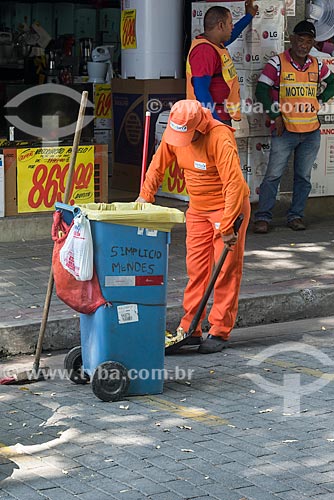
[123,343]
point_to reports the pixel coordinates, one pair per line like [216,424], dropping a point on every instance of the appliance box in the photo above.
[130,100]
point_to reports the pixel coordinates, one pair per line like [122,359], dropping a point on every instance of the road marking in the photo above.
[296,368]
[7,451]
[192,413]
[20,451]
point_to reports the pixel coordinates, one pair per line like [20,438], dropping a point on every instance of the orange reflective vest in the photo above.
[228,72]
[299,105]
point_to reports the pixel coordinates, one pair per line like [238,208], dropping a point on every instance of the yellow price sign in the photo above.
[128,29]
[102,101]
[42,174]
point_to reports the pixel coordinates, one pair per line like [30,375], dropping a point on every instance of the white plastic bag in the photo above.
[76,255]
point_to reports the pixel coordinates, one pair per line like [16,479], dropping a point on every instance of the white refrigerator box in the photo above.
[2,186]
[257,161]
[242,144]
[237,8]
[322,178]
[173,184]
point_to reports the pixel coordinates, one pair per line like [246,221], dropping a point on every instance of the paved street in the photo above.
[287,275]
[215,432]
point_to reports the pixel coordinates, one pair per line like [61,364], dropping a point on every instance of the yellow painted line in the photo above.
[196,414]
[18,457]
[7,451]
[314,373]
[297,368]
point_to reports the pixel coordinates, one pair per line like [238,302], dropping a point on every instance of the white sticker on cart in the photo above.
[152,232]
[120,281]
[140,231]
[127,313]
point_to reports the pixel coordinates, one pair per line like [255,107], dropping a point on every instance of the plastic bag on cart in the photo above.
[76,255]
[82,296]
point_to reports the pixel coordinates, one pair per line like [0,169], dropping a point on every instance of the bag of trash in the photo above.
[82,296]
[76,255]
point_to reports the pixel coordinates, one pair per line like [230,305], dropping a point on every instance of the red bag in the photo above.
[82,296]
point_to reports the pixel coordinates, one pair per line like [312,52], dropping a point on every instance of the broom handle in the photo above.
[76,141]
[145,147]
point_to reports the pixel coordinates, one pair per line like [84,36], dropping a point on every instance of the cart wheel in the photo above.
[110,381]
[73,366]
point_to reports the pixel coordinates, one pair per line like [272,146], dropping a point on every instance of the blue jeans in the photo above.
[305,147]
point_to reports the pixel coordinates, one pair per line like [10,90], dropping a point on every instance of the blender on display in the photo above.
[100,69]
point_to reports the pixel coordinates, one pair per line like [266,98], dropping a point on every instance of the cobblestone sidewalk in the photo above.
[213,433]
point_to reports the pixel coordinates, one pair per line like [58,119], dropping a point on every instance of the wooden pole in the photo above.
[76,141]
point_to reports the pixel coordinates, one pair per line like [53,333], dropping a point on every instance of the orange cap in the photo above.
[183,120]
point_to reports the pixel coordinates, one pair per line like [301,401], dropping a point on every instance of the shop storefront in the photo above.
[130,56]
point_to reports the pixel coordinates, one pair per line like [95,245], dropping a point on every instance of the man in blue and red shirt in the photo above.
[211,76]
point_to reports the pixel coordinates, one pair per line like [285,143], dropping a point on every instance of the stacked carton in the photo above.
[322,178]
[2,186]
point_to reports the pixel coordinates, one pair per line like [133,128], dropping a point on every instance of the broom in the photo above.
[36,373]
[145,147]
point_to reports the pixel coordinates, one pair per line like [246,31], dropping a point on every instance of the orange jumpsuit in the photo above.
[218,193]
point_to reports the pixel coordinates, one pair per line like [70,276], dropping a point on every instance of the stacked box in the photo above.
[242,144]
[173,184]
[131,99]
[322,178]
[257,160]
[2,185]
[263,38]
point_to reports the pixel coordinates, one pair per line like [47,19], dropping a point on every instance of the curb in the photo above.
[255,310]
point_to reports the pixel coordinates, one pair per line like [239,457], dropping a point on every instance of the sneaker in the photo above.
[261,227]
[296,225]
[212,344]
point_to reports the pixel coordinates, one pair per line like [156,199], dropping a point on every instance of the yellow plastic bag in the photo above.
[135,214]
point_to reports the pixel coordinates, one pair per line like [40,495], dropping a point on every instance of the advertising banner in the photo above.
[42,175]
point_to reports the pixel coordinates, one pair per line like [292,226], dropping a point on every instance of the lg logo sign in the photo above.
[252,57]
[264,147]
[269,34]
